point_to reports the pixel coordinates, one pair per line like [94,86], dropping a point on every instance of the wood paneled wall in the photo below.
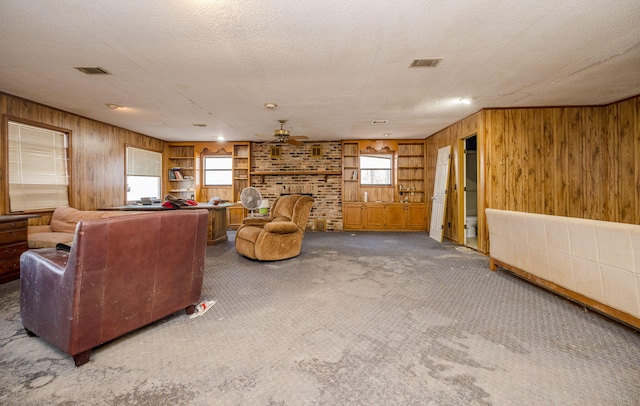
[97,152]
[576,161]
[571,161]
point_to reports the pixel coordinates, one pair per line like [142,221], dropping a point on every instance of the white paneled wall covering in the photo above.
[599,260]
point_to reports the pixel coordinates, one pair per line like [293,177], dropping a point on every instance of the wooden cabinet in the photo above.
[375,216]
[13,242]
[352,216]
[181,170]
[396,216]
[400,206]
[236,214]
[361,216]
[385,216]
[416,216]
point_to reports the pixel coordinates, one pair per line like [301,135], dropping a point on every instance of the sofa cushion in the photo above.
[65,219]
[49,239]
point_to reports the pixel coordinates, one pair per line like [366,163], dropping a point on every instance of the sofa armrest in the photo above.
[46,295]
[39,229]
[281,227]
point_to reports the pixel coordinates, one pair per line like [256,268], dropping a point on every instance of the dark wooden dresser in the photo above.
[13,242]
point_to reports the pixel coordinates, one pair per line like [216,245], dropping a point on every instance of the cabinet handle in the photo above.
[13,251]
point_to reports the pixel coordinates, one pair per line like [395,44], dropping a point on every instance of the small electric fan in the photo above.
[251,198]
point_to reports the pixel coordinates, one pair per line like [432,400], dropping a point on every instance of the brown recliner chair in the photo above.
[121,273]
[279,236]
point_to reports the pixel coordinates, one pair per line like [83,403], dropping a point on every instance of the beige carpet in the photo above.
[356,319]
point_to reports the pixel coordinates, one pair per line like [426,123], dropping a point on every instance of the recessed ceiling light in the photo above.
[463,101]
[220,138]
[379,121]
[114,106]
[199,125]
[386,134]
[270,106]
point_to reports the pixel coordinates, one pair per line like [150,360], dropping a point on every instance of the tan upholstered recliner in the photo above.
[279,236]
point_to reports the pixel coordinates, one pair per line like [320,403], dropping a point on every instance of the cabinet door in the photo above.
[352,216]
[236,215]
[375,216]
[416,217]
[395,216]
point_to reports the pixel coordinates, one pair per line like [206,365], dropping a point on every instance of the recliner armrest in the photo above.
[281,227]
[255,221]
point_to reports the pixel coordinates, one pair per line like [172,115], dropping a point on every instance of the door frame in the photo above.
[462,198]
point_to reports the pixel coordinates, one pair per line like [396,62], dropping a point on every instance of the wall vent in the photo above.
[275,152]
[425,63]
[316,151]
[92,70]
[319,225]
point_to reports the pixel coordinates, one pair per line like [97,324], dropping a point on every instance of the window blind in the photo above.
[38,168]
[142,162]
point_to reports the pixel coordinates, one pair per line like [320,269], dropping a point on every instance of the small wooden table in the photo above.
[217,229]
[13,242]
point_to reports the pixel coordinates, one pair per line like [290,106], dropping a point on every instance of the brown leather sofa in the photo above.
[121,273]
[280,235]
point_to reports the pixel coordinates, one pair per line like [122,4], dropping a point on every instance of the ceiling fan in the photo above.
[283,135]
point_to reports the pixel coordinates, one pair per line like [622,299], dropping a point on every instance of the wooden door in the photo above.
[440,193]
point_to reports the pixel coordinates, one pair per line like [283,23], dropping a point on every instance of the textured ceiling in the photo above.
[332,66]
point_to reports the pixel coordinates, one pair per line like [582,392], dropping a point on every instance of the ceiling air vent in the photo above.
[379,121]
[92,70]
[425,63]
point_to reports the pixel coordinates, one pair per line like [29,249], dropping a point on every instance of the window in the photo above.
[144,170]
[217,170]
[38,167]
[375,169]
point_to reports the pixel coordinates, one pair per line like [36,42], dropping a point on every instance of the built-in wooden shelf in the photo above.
[288,173]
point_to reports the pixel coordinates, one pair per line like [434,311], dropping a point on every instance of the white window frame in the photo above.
[37,168]
[221,170]
[143,167]
[373,173]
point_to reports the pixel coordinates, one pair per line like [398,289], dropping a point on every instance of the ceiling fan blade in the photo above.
[294,142]
[299,137]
